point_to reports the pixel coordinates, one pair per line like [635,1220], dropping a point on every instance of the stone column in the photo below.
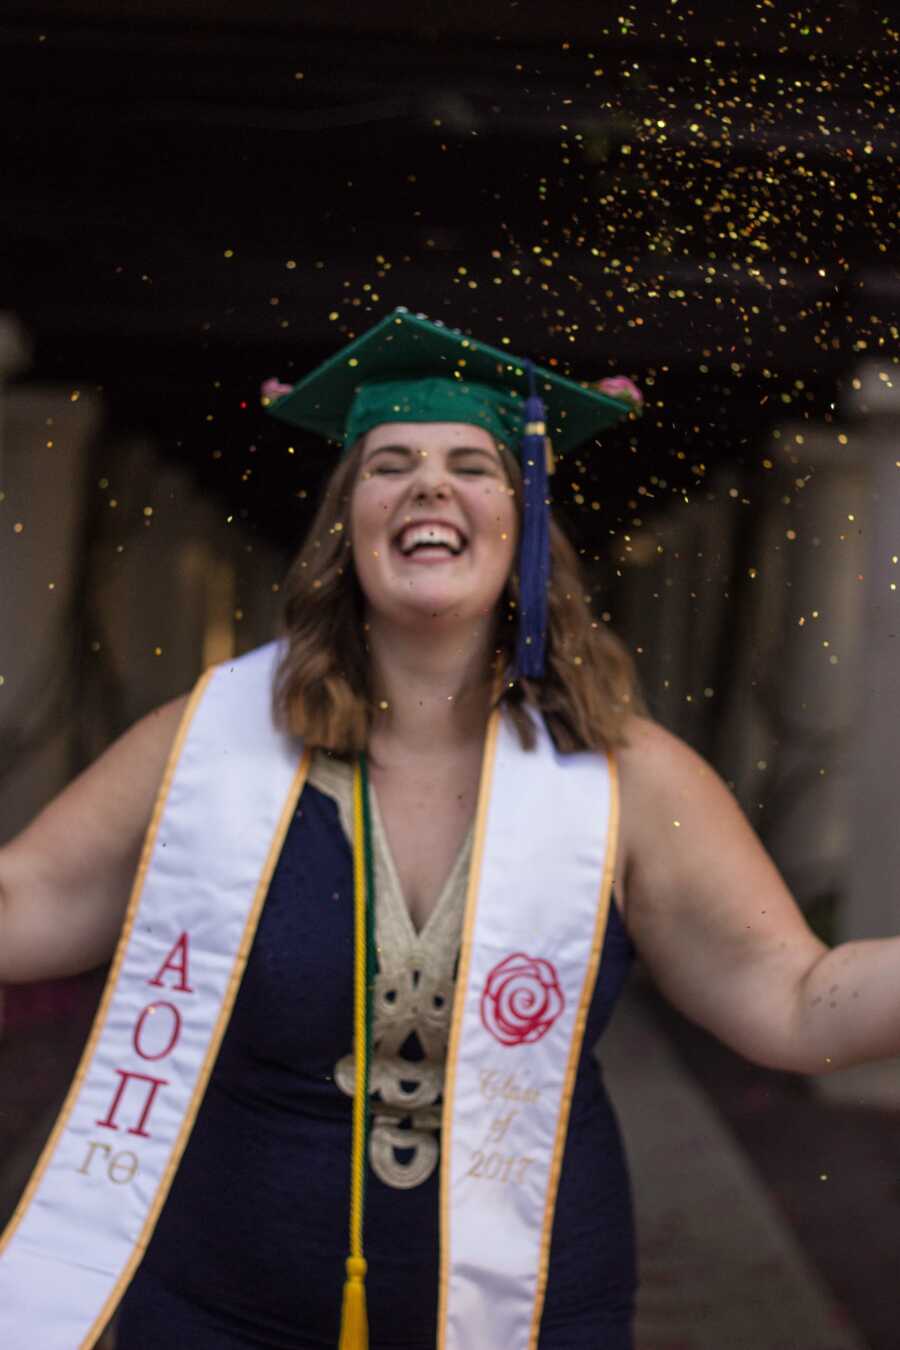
[47,433]
[15,356]
[44,433]
[872,904]
[804,654]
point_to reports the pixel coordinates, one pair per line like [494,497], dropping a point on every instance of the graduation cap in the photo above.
[409,369]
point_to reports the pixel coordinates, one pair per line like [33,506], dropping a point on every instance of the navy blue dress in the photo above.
[249,1250]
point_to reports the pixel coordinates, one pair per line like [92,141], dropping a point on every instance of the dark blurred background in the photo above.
[196,197]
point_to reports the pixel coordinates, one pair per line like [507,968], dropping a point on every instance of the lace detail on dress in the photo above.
[412,1003]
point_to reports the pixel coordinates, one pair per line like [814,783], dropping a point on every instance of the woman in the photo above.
[401,628]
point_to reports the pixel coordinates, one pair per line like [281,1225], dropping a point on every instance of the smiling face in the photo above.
[433,522]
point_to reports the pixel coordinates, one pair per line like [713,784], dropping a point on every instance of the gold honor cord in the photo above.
[354,1317]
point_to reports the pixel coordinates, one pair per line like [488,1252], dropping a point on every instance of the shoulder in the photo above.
[66,877]
[663,784]
[152,737]
[122,784]
[654,760]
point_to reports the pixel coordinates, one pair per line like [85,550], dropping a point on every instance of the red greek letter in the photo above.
[151,1009]
[177,961]
[125,1075]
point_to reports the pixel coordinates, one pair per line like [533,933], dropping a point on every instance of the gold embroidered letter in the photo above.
[126,1170]
[89,1156]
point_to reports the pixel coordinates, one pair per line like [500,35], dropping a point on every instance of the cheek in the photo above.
[369,509]
[366,565]
[499,520]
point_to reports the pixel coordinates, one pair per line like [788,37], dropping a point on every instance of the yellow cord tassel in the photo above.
[354,1317]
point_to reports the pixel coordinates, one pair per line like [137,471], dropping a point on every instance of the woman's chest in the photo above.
[295,1009]
[426,818]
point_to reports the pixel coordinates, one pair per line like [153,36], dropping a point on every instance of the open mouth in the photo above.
[430,540]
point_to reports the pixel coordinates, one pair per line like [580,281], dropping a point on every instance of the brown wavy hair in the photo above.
[322,688]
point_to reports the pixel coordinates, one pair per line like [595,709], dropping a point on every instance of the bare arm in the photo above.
[720,932]
[65,880]
[722,935]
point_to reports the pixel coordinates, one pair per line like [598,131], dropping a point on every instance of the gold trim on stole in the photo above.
[587,989]
[462,980]
[575,1043]
[240,961]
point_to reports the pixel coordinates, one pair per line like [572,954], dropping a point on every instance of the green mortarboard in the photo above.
[398,372]
[408,369]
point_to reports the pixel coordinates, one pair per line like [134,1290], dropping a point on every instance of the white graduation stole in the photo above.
[90,1207]
[539,895]
[538,903]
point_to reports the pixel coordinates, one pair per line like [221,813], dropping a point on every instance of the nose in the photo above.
[430,481]
[425,492]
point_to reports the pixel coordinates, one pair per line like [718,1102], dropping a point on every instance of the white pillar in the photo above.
[805,654]
[47,431]
[15,356]
[872,906]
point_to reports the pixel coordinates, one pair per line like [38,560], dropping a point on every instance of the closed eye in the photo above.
[463,459]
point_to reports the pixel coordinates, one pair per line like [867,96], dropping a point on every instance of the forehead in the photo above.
[430,436]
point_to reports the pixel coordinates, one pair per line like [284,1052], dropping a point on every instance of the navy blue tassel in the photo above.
[534,550]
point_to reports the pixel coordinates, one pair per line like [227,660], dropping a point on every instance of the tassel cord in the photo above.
[354,1333]
[534,550]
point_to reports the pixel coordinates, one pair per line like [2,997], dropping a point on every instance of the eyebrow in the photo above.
[456,451]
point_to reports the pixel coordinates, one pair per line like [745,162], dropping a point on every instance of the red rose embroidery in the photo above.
[521,999]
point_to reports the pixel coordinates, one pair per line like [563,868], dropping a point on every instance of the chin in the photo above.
[436,609]
[434,612]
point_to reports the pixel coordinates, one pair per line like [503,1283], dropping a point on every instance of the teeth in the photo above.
[433,535]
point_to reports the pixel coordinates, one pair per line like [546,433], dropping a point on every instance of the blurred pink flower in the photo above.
[273,388]
[619,386]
